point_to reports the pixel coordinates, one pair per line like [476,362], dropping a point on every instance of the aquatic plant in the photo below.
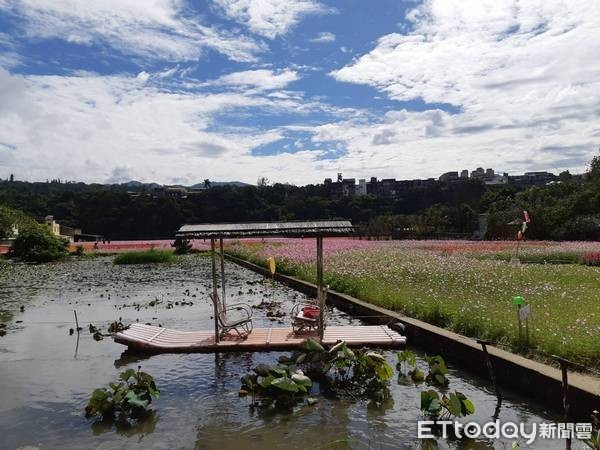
[437,371]
[445,407]
[359,373]
[126,399]
[145,257]
[594,441]
[407,367]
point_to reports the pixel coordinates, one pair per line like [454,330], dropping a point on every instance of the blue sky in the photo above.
[177,91]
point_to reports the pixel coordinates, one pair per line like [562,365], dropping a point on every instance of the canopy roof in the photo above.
[266,229]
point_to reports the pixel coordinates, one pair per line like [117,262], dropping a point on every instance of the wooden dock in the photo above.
[153,339]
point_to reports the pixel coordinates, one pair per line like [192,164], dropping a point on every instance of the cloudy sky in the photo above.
[176,91]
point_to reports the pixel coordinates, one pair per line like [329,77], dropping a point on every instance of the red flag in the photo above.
[526,216]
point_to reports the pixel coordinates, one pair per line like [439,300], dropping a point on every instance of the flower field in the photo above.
[462,285]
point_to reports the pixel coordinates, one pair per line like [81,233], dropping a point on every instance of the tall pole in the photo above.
[214,287]
[222,272]
[320,297]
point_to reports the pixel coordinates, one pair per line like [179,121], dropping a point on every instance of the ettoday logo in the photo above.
[507,430]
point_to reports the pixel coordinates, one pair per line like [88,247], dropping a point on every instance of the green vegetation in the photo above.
[10,218]
[182,246]
[407,368]
[445,407]
[125,400]
[569,209]
[37,244]
[537,258]
[462,293]
[433,404]
[475,300]
[146,257]
[341,372]
[34,242]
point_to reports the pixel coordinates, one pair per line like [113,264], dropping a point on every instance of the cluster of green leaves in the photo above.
[10,218]
[37,244]
[339,370]
[407,367]
[145,257]
[437,371]
[594,441]
[281,385]
[436,405]
[34,242]
[358,373]
[126,399]
[445,407]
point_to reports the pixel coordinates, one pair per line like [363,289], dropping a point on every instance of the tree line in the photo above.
[569,209]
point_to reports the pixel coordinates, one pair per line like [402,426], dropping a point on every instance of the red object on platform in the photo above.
[312,312]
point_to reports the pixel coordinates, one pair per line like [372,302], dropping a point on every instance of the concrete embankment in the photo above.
[530,378]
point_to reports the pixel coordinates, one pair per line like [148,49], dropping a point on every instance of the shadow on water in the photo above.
[129,357]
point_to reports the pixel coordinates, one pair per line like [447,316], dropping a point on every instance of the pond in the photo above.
[47,374]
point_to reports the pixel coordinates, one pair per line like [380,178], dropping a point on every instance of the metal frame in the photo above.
[243,327]
[317,229]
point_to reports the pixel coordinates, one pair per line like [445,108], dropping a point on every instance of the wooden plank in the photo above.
[156,339]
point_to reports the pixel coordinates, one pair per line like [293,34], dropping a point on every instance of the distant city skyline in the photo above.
[174,92]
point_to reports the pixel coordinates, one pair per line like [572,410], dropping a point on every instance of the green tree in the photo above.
[11,218]
[594,170]
[37,244]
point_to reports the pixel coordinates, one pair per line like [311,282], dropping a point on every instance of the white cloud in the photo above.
[271,18]
[260,79]
[150,28]
[324,37]
[108,128]
[525,75]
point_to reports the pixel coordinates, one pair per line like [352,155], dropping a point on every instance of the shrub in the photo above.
[182,246]
[79,251]
[36,244]
[10,218]
[145,257]
[124,400]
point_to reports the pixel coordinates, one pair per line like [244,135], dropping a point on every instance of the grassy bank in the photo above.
[146,257]
[460,292]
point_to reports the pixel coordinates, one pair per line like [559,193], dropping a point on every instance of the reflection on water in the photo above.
[47,374]
[140,429]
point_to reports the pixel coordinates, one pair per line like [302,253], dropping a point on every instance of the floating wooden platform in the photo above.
[164,340]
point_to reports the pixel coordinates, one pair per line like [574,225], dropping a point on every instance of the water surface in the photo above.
[47,374]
